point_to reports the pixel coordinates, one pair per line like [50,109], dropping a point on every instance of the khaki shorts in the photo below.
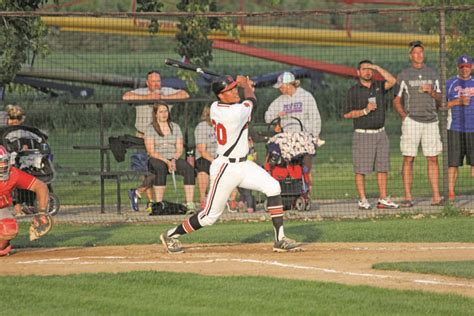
[414,132]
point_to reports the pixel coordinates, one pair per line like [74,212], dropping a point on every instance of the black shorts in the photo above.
[203,165]
[460,145]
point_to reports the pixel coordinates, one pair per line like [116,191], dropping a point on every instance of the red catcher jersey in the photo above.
[17,179]
[230,122]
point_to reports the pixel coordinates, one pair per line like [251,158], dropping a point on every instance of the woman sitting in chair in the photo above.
[164,145]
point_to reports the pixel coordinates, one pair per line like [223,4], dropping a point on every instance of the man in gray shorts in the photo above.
[366,105]
[420,89]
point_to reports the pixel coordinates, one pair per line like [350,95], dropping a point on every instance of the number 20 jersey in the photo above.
[230,122]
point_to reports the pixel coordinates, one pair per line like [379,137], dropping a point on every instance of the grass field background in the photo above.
[149,292]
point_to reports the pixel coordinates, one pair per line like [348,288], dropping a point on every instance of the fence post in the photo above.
[443,124]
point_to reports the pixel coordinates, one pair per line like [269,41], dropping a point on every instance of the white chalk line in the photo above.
[77,261]
[410,249]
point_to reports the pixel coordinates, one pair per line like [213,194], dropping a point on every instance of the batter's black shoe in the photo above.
[171,244]
[285,245]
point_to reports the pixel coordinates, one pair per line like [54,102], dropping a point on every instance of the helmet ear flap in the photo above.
[4,163]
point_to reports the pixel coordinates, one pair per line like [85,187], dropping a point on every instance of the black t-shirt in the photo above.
[358,98]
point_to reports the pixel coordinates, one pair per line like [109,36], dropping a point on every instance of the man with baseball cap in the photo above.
[460,92]
[294,101]
[419,90]
[230,117]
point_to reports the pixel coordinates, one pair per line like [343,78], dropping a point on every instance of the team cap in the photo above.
[286,77]
[464,60]
[414,44]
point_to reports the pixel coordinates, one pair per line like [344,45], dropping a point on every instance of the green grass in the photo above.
[162,293]
[462,269]
[385,230]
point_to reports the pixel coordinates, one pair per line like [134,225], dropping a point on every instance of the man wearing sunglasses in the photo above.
[460,94]
[416,102]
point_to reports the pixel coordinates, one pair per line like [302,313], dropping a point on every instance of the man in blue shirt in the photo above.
[460,94]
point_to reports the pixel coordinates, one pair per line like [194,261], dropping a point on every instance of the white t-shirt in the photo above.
[230,123]
[144,113]
[301,105]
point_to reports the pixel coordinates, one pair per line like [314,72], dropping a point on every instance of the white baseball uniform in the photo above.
[231,168]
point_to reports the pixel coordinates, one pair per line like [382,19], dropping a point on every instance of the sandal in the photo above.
[406,203]
[439,203]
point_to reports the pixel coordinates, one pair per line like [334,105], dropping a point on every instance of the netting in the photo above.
[88,94]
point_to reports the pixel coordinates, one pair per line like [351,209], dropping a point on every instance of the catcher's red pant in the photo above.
[225,177]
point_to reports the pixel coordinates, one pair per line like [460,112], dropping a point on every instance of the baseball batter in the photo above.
[10,179]
[230,117]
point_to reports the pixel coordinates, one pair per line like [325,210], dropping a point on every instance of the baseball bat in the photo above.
[191,67]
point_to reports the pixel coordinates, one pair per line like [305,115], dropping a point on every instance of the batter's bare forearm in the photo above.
[249,92]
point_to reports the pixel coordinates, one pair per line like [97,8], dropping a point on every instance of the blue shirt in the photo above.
[460,117]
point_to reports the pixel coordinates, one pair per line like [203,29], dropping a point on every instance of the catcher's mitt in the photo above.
[41,224]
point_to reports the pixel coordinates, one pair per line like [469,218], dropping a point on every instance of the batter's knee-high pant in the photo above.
[225,177]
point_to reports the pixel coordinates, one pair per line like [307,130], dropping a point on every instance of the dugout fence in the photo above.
[75,92]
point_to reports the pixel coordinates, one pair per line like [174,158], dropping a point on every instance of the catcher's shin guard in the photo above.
[8,228]
[6,251]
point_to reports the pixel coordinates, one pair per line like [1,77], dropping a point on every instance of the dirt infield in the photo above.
[347,263]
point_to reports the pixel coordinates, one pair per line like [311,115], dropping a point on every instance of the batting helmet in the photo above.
[223,84]
[4,164]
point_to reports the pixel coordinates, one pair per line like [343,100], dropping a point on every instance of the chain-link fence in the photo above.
[89,95]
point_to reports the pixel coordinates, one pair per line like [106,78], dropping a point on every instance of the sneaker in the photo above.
[149,208]
[171,244]
[133,197]
[364,205]
[386,203]
[233,206]
[191,207]
[285,245]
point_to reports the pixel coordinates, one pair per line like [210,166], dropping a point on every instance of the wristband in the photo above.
[365,111]
[41,210]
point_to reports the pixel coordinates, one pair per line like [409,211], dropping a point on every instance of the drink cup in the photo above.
[373,100]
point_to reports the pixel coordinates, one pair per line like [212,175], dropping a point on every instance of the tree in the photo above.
[459,28]
[20,37]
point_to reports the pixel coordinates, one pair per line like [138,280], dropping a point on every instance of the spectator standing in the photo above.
[297,102]
[460,93]
[366,105]
[206,146]
[420,90]
[164,145]
[143,118]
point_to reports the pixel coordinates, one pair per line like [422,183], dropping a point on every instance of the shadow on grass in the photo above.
[89,237]
[302,233]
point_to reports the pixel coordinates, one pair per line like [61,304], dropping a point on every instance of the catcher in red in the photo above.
[10,179]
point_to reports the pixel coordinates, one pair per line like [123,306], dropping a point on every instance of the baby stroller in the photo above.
[31,153]
[286,153]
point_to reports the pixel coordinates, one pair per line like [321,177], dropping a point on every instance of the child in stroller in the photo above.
[30,153]
[288,160]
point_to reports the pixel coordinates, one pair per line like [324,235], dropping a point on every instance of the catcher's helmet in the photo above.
[222,84]
[4,164]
